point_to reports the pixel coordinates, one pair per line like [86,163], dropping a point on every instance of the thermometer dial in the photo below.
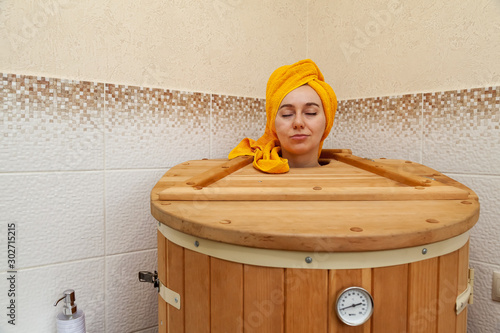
[354,306]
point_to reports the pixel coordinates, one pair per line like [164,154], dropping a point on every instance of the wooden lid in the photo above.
[348,204]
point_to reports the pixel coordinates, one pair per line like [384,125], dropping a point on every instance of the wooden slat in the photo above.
[175,282]
[327,153]
[162,255]
[463,276]
[162,276]
[162,315]
[306,308]
[196,292]
[264,299]
[214,174]
[384,170]
[337,225]
[390,285]
[448,286]
[338,281]
[226,280]
[316,193]
[422,296]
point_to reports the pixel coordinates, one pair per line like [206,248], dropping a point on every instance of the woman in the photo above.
[300,109]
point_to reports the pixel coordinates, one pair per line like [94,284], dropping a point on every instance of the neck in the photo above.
[302,161]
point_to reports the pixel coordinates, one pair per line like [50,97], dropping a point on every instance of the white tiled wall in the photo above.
[78,161]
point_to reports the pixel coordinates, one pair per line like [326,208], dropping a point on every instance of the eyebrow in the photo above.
[290,105]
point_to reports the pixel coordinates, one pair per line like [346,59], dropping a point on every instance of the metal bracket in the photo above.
[145,276]
[168,295]
[466,297]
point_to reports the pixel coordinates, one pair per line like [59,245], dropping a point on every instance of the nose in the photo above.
[298,121]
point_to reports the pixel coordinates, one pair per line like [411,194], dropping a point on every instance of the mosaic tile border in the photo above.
[66,113]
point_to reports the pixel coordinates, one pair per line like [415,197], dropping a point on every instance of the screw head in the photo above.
[309,260]
[424,251]
[196,243]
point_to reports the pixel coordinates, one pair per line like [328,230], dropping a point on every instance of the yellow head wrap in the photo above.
[283,80]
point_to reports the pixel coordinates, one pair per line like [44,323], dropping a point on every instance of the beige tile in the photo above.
[462,130]
[387,127]
[155,128]
[50,124]
[233,119]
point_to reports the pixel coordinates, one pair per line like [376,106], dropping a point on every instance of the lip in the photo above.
[299,136]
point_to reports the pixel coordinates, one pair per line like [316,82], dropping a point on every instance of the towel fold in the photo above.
[266,150]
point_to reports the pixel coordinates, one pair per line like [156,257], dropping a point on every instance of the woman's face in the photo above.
[300,123]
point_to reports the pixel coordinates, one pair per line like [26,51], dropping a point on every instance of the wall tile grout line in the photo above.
[422,128]
[104,174]
[210,126]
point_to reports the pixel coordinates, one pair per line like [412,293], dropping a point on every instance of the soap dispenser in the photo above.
[70,319]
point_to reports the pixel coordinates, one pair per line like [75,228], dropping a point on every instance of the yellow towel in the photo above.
[283,80]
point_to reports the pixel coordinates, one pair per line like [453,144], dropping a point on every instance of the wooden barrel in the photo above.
[242,251]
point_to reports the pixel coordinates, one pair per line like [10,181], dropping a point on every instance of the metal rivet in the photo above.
[176,300]
[309,260]
[196,243]
[424,251]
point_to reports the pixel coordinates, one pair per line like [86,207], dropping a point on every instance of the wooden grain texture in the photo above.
[390,295]
[216,173]
[423,296]
[384,170]
[264,299]
[162,255]
[306,308]
[162,276]
[338,281]
[226,299]
[196,292]
[328,223]
[463,276]
[448,286]
[328,153]
[313,193]
[162,315]
[175,282]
